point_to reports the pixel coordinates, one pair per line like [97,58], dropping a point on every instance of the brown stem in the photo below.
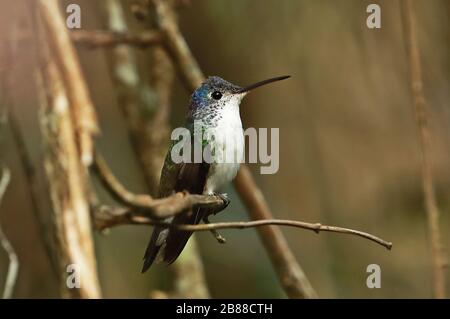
[157,208]
[78,94]
[422,119]
[177,46]
[67,182]
[107,217]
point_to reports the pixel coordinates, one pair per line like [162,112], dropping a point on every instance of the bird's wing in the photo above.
[176,177]
[192,178]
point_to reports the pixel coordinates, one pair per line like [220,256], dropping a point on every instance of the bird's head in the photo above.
[217,94]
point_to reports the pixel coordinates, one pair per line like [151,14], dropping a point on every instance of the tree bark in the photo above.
[67,180]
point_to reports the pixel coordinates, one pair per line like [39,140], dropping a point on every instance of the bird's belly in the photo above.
[221,173]
[229,152]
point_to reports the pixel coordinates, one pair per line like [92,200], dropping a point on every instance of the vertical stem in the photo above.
[146,108]
[177,46]
[67,182]
[68,124]
[422,118]
[65,55]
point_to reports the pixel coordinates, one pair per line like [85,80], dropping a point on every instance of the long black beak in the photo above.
[261,83]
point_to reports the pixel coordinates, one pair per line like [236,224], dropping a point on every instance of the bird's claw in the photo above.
[224,198]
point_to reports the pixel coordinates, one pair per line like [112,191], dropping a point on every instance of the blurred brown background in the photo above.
[349,152]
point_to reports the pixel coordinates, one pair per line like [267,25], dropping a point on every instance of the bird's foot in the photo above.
[224,198]
[220,239]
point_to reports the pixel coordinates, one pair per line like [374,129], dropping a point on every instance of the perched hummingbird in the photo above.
[215,105]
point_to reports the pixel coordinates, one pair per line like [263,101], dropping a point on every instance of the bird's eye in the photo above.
[216,95]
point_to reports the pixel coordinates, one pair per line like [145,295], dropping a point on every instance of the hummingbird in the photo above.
[215,105]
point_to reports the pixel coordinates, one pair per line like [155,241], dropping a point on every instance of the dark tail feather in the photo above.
[152,250]
[177,239]
[174,243]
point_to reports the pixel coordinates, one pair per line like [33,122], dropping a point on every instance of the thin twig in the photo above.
[101,38]
[107,216]
[422,119]
[13,268]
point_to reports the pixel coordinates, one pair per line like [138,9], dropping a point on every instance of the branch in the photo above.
[13,268]
[107,216]
[156,208]
[421,114]
[107,39]
[142,209]
[177,46]
[67,181]
[145,104]
[78,94]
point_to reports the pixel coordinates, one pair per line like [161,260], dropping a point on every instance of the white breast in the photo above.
[229,141]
